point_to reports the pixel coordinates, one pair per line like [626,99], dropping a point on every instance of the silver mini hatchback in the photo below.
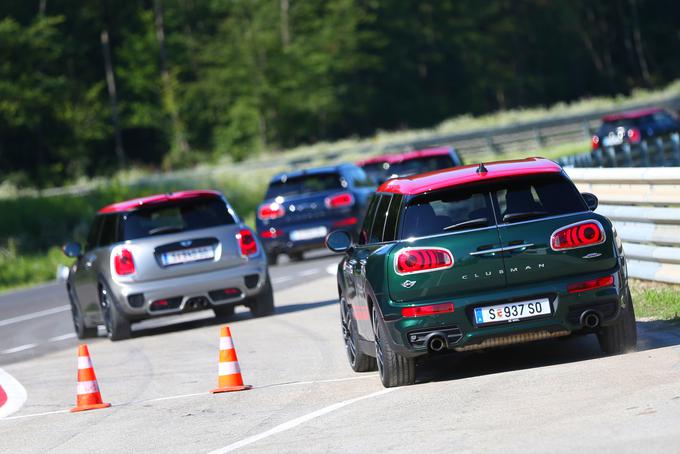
[165,254]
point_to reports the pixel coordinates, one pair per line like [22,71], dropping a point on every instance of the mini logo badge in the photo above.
[408,284]
[185,243]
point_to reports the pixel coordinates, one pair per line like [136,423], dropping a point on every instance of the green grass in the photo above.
[22,270]
[656,301]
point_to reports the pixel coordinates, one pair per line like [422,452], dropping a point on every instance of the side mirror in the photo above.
[71,249]
[591,200]
[338,241]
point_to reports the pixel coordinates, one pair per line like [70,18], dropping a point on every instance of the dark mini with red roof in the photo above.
[634,126]
[477,257]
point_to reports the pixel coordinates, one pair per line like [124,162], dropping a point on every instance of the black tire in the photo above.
[82,330]
[262,304]
[621,337]
[394,369]
[358,360]
[224,312]
[117,326]
[296,256]
[272,258]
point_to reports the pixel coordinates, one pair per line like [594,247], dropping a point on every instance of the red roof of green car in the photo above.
[133,204]
[441,179]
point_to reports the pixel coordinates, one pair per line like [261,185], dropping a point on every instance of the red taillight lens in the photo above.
[270,211]
[595,142]
[591,284]
[345,222]
[246,242]
[341,200]
[421,260]
[123,262]
[421,311]
[587,233]
[634,135]
[271,233]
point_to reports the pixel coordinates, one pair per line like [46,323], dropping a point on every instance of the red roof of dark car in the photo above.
[129,205]
[400,157]
[418,184]
[632,114]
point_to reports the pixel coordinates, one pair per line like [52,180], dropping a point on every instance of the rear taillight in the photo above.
[344,199]
[123,263]
[634,135]
[595,142]
[246,242]
[586,233]
[271,233]
[270,211]
[591,284]
[433,309]
[422,260]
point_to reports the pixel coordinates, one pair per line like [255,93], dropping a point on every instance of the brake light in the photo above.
[271,233]
[246,242]
[634,135]
[595,142]
[345,222]
[422,260]
[123,262]
[433,309]
[270,211]
[591,284]
[586,233]
[344,199]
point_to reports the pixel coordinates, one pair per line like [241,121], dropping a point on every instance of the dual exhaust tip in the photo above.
[436,342]
[590,319]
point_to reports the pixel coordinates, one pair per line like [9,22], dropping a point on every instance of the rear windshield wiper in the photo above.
[512,217]
[478,222]
[165,229]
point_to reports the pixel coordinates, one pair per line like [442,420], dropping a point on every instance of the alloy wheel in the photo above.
[378,346]
[347,333]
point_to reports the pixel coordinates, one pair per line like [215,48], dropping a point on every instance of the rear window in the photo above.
[176,217]
[380,172]
[305,184]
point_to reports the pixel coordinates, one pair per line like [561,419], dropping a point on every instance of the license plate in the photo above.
[512,312]
[308,234]
[187,255]
[612,141]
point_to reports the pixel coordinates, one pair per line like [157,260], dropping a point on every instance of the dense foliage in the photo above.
[200,79]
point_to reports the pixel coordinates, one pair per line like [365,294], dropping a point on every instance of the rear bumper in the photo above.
[199,290]
[407,335]
[283,244]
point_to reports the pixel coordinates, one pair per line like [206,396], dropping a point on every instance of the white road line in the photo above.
[298,421]
[308,272]
[16,394]
[330,380]
[281,279]
[56,412]
[62,337]
[31,316]
[20,348]
[332,269]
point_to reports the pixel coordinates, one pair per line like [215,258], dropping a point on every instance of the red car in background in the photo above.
[384,167]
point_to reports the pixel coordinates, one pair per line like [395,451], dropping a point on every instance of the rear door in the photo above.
[529,210]
[458,220]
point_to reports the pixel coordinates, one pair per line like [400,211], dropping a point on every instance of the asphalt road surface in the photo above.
[559,396]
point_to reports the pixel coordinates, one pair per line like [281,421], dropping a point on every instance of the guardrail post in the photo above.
[675,140]
[627,156]
[661,158]
[644,154]
[540,141]
[611,154]
[586,129]
[494,147]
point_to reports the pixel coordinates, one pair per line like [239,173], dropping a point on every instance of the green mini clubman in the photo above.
[476,257]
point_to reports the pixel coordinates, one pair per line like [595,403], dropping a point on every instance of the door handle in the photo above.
[487,251]
[518,246]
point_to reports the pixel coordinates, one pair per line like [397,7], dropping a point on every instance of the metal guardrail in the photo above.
[644,205]
[661,151]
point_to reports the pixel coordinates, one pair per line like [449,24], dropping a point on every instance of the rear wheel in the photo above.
[272,258]
[82,331]
[262,304]
[224,311]
[394,369]
[296,256]
[621,337]
[117,326]
[358,360]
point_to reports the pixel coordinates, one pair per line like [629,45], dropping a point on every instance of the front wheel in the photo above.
[358,360]
[393,368]
[621,337]
[117,326]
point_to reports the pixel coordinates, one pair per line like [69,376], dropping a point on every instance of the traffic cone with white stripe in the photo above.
[229,373]
[88,395]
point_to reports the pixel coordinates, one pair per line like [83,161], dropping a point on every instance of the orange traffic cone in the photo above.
[229,373]
[88,396]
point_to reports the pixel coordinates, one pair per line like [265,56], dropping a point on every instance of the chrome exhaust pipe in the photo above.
[590,320]
[436,343]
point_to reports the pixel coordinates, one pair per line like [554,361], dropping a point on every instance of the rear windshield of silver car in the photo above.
[505,202]
[304,184]
[175,217]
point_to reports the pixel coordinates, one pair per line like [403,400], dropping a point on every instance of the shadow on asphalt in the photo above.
[651,335]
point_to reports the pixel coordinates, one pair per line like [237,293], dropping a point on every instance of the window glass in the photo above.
[304,184]
[108,230]
[392,222]
[365,231]
[93,235]
[176,217]
[360,178]
[379,220]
